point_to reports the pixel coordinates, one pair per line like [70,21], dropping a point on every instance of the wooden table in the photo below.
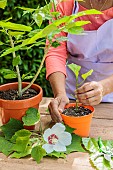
[102,125]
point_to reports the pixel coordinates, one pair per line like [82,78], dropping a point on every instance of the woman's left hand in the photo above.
[90,93]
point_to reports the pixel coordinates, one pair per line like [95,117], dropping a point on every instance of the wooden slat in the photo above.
[104,111]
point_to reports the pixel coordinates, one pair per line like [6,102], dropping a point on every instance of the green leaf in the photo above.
[16,33]
[100,162]
[14,26]
[1,43]
[28,77]
[55,44]
[11,50]
[55,14]
[10,76]
[38,153]
[17,61]
[62,38]
[77,24]
[3,3]
[82,13]
[43,33]
[11,127]
[57,154]
[69,129]
[27,9]
[91,144]
[38,19]
[6,71]
[85,75]
[22,140]
[26,152]
[31,117]
[75,30]
[21,133]
[76,145]
[75,68]
[5,146]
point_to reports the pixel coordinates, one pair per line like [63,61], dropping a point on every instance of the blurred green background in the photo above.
[31,58]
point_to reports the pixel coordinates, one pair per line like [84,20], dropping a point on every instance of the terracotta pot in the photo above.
[16,108]
[80,124]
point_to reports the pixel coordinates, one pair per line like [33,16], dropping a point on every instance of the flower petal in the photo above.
[48,148]
[58,147]
[46,134]
[58,128]
[65,138]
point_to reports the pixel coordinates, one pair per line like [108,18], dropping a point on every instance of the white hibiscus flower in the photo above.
[57,139]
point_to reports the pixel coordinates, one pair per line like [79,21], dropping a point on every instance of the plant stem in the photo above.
[40,128]
[76,89]
[37,73]
[54,5]
[17,69]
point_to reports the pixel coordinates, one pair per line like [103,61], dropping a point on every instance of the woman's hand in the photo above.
[56,106]
[90,93]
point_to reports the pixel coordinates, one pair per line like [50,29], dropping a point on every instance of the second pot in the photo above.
[80,124]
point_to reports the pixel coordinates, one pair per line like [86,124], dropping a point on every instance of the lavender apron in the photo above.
[94,50]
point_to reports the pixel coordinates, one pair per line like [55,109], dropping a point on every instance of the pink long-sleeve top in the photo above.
[56,57]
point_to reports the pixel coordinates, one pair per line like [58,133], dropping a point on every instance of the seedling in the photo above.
[76,70]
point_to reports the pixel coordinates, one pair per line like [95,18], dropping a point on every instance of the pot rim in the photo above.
[40,91]
[78,117]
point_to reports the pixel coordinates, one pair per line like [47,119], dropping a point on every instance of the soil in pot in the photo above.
[79,119]
[13,94]
[73,111]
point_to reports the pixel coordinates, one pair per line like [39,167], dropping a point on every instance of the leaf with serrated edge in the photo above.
[31,117]
[91,144]
[26,152]
[76,145]
[100,162]
[38,153]
[5,146]
[11,127]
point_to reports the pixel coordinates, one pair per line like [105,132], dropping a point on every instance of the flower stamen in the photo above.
[52,139]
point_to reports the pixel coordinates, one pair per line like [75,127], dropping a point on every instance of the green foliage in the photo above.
[31,117]
[5,146]
[38,153]
[57,154]
[17,142]
[11,127]
[101,152]
[76,70]
[31,58]
[76,145]
[3,4]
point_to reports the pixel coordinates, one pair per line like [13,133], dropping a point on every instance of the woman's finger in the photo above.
[92,100]
[84,88]
[96,92]
[53,106]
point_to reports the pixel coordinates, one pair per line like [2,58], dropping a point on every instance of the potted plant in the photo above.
[21,37]
[76,115]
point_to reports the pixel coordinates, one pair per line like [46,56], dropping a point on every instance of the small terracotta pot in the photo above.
[80,124]
[16,108]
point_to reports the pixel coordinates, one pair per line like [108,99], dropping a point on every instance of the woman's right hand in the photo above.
[56,106]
